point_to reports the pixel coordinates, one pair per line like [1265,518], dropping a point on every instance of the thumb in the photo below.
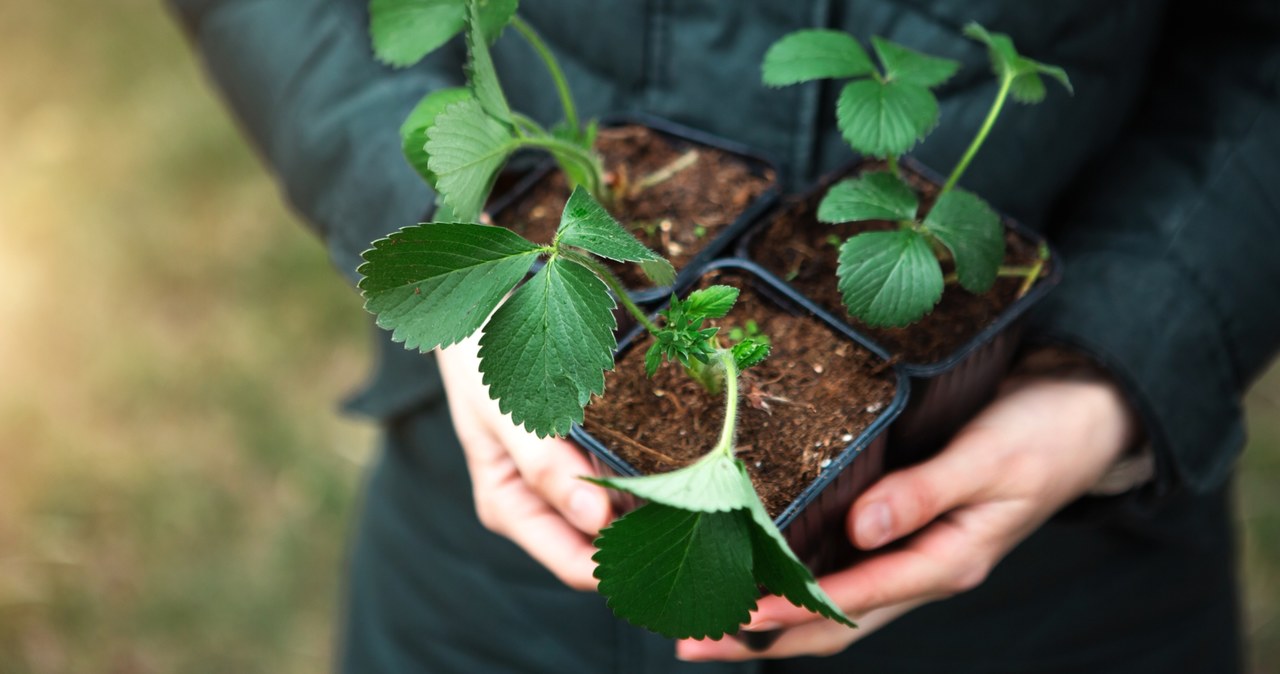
[905,501]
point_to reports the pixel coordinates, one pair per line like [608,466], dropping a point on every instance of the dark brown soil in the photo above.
[801,250]
[799,409]
[676,217]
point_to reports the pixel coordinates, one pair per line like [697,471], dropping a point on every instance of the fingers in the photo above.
[506,506]
[819,638]
[905,501]
[552,469]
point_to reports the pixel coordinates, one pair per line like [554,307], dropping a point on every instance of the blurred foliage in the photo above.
[174,485]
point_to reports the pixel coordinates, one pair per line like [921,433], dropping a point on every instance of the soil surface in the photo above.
[677,217]
[802,251]
[799,408]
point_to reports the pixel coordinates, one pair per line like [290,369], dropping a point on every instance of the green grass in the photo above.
[175,486]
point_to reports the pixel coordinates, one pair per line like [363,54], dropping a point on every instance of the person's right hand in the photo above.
[525,488]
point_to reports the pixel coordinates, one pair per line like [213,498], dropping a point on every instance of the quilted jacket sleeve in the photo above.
[300,77]
[1172,241]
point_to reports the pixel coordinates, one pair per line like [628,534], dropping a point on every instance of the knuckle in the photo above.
[969,578]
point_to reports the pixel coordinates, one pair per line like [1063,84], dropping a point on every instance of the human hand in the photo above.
[525,488]
[1040,445]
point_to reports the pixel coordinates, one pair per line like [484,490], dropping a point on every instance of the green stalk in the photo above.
[619,290]
[1006,81]
[725,444]
[578,154]
[893,166]
[553,67]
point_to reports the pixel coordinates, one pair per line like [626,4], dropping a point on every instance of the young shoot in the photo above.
[458,139]
[893,278]
[543,352]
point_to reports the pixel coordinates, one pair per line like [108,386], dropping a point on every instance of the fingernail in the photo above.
[873,528]
[587,507]
[762,626]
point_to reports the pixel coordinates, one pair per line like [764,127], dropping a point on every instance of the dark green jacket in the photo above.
[1156,180]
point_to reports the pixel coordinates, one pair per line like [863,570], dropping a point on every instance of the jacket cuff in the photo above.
[1145,321]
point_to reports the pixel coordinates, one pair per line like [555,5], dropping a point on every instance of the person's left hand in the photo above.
[1040,445]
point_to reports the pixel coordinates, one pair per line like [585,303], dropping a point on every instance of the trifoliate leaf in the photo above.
[679,573]
[776,567]
[435,284]
[971,230]
[1026,85]
[715,483]
[814,54]
[871,196]
[711,302]
[404,31]
[750,352]
[889,278]
[586,224]
[465,149]
[413,132]
[481,76]
[885,119]
[910,66]
[544,352]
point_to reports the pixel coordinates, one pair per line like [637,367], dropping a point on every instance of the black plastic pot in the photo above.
[680,136]
[814,523]
[946,393]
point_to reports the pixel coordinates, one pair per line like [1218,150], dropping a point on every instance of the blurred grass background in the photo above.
[174,484]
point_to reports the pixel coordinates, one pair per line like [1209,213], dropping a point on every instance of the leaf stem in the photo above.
[1006,81]
[578,154]
[562,85]
[527,124]
[619,290]
[725,444]
[893,166]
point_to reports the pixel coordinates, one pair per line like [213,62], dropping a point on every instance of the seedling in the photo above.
[459,138]
[893,278]
[691,561]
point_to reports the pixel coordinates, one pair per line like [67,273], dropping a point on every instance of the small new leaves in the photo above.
[413,132]
[750,352]
[889,278]
[682,338]
[405,31]
[1023,73]
[885,113]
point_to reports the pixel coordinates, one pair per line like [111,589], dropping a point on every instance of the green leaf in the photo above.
[971,230]
[404,31]
[871,196]
[814,54]
[481,76]
[910,66]
[652,359]
[544,352]
[883,119]
[586,224]
[435,284]
[679,573]
[715,483]
[495,15]
[1026,85]
[889,278]
[750,352]
[776,567]
[711,302]
[413,132]
[466,148]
